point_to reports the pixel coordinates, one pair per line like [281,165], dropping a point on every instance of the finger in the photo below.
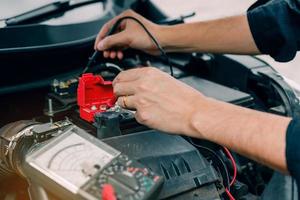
[125,88]
[143,117]
[127,102]
[106,54]
[117,40]
[120,55]
[128,75]
[113,54]
[123,25]
[106,28]
[101,34]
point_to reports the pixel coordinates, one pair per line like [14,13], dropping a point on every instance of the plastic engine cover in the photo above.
[186,172]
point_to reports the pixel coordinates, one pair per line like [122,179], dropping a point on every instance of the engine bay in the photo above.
[191,168]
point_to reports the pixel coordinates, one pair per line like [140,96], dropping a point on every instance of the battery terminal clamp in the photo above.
[94,95]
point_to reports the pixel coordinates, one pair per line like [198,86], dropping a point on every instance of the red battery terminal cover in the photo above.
[94,95]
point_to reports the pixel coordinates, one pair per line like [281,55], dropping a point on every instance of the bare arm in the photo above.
[254,134]
[227,35]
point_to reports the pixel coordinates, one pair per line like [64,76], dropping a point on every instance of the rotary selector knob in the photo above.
[127,179]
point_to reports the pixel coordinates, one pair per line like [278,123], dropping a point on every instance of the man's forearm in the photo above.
[254,134]
[228,35]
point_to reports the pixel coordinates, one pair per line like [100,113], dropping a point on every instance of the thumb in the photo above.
[116,40]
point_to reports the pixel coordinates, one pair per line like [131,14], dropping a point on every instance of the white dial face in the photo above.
[72,161]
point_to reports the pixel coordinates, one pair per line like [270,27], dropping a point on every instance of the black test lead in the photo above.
[93,58]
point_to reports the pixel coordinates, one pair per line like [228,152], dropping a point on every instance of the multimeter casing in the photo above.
[130,179]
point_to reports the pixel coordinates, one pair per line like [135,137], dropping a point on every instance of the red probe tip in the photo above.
[108,192]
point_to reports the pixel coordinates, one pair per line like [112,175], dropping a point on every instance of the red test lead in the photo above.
[108,192]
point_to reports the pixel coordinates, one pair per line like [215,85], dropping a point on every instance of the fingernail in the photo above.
[100,45]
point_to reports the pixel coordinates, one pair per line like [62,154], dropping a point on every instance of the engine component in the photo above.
[17,138]
[94,95]
[249,88]
[218,91]
[9,141]
[63,88]
[108,124]
[187,174]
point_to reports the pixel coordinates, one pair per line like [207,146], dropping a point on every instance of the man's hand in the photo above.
[161,102]
[130,34]
[168,105]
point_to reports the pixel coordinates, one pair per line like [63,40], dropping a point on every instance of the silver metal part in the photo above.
[44,132]
[17,138]
[50,109]
[50,106]
[14,139]
[36,192]
[148,63]
[2,24]
[13,146]
[117,108]
[114,66]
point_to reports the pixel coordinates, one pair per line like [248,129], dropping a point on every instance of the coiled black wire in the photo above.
[92,59]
